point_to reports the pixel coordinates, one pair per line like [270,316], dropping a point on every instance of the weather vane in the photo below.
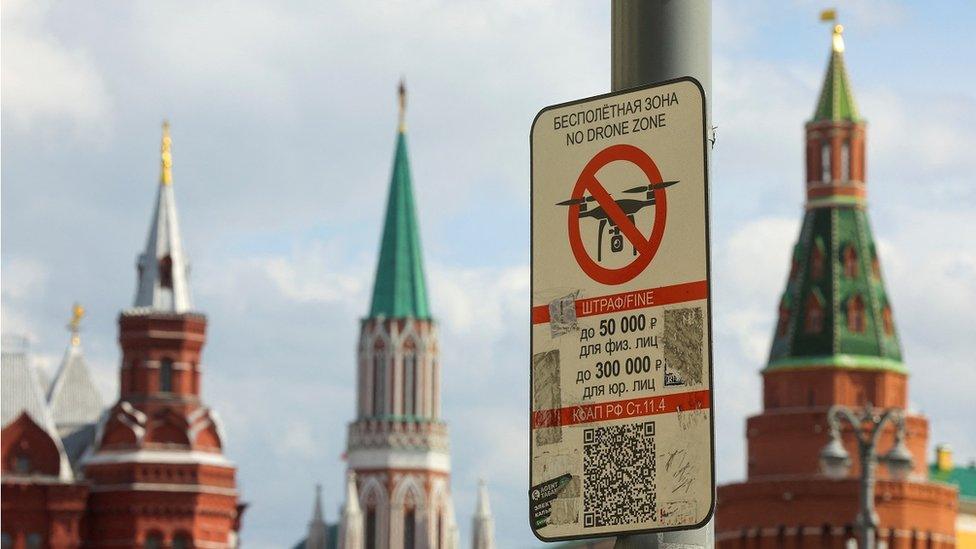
[830,16]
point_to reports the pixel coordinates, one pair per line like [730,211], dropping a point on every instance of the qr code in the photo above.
[618,475]
[683,336]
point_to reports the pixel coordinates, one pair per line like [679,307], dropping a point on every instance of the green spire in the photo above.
[836,98]
[400,290]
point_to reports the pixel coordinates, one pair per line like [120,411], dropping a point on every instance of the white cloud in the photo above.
[46,82]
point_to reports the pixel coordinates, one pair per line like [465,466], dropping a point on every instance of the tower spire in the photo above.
[400,290]
[482,524]
[163,282]
[836,101]
[317,533]
[351,519]
[835,311]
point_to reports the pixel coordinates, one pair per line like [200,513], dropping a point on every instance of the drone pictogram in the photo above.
[629,206]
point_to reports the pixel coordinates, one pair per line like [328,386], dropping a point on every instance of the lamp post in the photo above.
[835,462]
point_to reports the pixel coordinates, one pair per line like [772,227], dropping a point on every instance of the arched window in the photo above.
[813,321]
[166,376]
[886,318]
[154,540]
[825,163]
[850,262]
[409,383]
[166,272]
[34,541]
[371,525]
[845,160]
[379,382]
[817,260]
[409,529]
[855,314]
[875,265]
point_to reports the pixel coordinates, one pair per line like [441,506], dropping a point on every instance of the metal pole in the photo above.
[651,41]
[867,519]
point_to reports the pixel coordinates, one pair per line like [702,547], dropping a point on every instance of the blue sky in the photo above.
[283,121]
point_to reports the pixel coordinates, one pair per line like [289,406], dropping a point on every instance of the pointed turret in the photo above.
[836,100]
[72,397]
[835,311]
[400,289]
[351,517]
[483,524]
[163,269]
[317,529]
[25,410]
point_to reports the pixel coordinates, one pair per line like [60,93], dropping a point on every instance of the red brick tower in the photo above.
[158,474]
[834,343]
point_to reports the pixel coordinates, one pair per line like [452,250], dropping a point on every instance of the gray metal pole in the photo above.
[651,41]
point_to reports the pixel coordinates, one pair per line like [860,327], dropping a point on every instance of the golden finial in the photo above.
[830,15]
[402,95]
[165,157]
[74,325]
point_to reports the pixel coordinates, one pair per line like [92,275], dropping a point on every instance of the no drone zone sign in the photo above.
[621,423]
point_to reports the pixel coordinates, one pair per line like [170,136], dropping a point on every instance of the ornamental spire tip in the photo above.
[402,98]
[165,157]
[74,325]
[837,43]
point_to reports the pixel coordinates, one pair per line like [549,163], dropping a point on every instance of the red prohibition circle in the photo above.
[646,247]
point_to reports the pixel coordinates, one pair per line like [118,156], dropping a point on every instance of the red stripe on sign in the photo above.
[628,301]
[622,409]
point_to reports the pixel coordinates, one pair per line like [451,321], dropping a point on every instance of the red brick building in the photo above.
[835,342]
[147,472]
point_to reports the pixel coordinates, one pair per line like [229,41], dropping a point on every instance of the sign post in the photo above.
[621,426]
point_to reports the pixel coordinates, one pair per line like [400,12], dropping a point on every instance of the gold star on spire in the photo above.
[402,96]
[74,325]
[165,157]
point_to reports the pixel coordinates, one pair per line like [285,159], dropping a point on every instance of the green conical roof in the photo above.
[836,98]
[836,272]
[400,290]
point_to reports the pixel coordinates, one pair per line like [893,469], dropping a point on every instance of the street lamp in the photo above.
[835,462]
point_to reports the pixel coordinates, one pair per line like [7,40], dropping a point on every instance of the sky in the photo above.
[283,123]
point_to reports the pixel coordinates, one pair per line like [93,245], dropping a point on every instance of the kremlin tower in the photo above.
[398,444]
[835,342]
[157,472]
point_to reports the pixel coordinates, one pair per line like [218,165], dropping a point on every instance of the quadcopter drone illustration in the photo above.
[629,206]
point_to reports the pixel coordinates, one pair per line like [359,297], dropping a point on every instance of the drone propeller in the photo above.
[576,201]
[651,187]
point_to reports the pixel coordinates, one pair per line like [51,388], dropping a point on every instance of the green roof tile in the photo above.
[400,290]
